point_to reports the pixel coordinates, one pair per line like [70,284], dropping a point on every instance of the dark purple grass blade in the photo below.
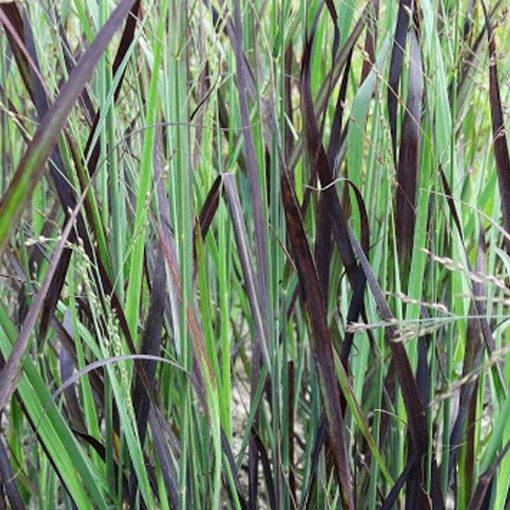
[498,130]
[415,494]
[47,134]
[356,304]
[397,57]
[266,467]
[417,420]
[392,496]
[364,224]
[257,205]
[165,460]
[13,24]
[71,399]
[207,213]
[408,160]
[210,206]
[471,443]
[241,237]
[260,345]
[359,284]
[291,434]
[323,246]
[313,303]
[335,137]
[423,373]
[99,448]
[56,286]
[481,496]
[126,40]
[8,480]
[336,33]
[259,224]
[289,138]
[319,441]
[323,241]
[151,343]
[320,164]
[472,360]
[253,447]
[451,202]
[227,450]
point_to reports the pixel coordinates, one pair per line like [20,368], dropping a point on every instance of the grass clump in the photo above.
[254,255]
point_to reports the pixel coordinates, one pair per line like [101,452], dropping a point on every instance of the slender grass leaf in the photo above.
[397,58]
[418,426]
[165,460]
[266,466]
[313,302]
[408,160]
[391,499]
[12,21]
[234,205]
[257,204]
[71,398]
[479,499]
[151,341]
[207,212]
[498,129]
[318,443]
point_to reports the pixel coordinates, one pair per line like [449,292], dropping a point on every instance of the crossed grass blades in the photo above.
[254,254]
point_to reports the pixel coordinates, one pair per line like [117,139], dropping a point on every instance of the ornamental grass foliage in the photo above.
[254,254]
